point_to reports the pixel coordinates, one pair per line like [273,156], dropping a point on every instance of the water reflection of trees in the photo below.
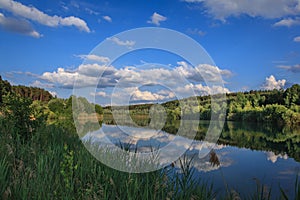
[244,135]
[263,137]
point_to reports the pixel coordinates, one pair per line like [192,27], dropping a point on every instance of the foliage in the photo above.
[98,109]
[56,105]
[292,96]
[4,175]
[33,93]
[68,168]
[18,113]
[50,156]
[273,106]
[55,165]
[5,88]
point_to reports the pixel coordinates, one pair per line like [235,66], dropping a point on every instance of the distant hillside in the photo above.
[33,93]
[270,106]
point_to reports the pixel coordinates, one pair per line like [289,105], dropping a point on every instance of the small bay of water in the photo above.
[249,155]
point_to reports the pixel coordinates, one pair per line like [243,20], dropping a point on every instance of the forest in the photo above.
[281,107]
[273,107]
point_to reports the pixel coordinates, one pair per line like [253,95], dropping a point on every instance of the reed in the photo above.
[54,164]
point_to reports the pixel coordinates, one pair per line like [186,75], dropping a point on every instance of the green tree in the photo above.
[241,99]
[19,114]
[5,88]
[98,109]
[292,95]
[33,93]
[255,98]
[39,113]
[56,105]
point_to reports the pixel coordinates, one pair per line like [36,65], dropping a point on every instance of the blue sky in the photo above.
[255,44]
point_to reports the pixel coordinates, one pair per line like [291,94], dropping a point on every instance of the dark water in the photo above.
[249,155]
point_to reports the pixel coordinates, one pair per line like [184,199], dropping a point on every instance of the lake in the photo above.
[247,155]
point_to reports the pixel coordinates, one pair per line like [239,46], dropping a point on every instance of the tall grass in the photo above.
[296,191]
[4,174]
[54,164]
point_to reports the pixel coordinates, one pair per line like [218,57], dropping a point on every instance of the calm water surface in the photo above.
[248,154]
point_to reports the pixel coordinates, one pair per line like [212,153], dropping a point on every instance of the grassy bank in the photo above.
[54,164]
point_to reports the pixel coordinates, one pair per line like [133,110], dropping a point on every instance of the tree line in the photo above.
[260,106]
[33,93]
[29,108]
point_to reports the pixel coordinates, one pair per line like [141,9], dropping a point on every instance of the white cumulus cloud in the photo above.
[107,18]
[146,95]
[130,76]
[142,95]
[20,26]
[201,90]
[39,84]
[203,72]
[127,43]
[86,75]
[288,22]
[53,93]
[156,19]
[94,70]
[297,39]
[271,83]
[255,8]
[32,13]
[180,81]
[100,94]
[93,57]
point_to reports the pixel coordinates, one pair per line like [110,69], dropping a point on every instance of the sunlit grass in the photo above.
[55,165]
